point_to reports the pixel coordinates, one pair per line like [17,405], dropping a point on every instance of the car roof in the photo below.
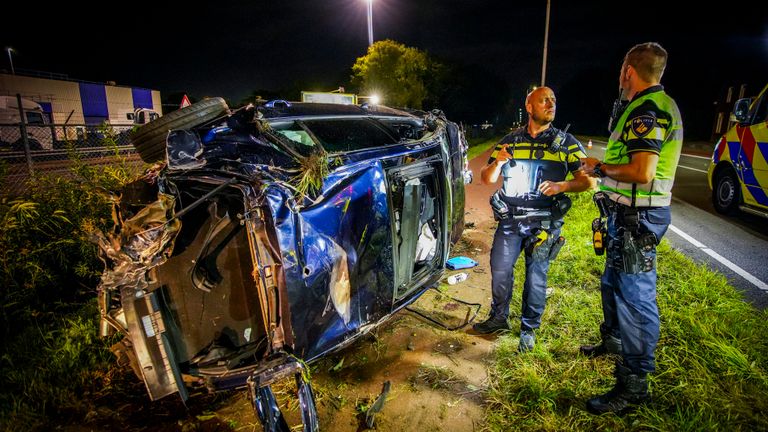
[281,109]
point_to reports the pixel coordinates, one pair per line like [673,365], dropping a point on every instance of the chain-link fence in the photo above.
[32,149]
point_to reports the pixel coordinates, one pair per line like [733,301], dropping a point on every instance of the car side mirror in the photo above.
[741,110]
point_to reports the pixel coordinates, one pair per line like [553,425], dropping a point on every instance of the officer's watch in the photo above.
[598,170]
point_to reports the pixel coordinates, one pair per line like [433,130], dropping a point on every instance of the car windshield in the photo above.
[34,117]
[336,134]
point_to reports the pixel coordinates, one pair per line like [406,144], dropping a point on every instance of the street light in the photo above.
[546,39]
[10,50]
[370,22]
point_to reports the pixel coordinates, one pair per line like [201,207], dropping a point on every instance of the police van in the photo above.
[738,172]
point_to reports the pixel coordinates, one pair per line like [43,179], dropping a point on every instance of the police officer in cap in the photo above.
[637,176]
[533,162]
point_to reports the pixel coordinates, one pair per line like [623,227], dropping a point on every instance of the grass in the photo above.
[479,146]
[711,358]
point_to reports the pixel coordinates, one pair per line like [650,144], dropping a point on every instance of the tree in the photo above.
[397,73]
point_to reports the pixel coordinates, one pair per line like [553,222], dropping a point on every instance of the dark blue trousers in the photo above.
[508,243]
[629,300]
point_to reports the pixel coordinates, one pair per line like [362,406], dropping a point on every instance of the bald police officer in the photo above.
[534,162]
[637,175]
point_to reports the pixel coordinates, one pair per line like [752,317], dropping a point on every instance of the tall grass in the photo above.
[711,358]
[49,350]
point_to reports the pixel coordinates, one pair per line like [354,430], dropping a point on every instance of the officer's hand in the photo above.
[588,166]
[503,155]
[549,188]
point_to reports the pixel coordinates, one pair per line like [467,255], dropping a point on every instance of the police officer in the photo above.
[534,162]
[637,175]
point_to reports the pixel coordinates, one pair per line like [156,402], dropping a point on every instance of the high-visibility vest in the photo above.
[667,127]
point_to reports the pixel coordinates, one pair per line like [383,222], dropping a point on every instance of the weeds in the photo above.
[50,351]
[314,169]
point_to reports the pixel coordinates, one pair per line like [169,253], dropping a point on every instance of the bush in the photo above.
[48,273]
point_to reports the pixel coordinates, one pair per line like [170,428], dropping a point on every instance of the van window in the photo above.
[761,113]
[34,117]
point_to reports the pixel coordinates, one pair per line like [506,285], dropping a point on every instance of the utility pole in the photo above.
[370,22]
[10,58]
[546,40]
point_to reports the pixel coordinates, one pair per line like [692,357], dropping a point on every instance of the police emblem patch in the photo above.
[642,125]
[538,154]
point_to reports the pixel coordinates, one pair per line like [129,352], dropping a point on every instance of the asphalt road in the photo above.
[735,246]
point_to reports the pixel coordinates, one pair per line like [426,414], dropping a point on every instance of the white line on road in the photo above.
[722,260]
[692,169]
[697,156]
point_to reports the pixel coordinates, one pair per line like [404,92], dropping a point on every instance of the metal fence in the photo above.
[28,150]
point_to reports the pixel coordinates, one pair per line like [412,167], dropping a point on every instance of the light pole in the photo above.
[546,39]
[10,50]
[370,22]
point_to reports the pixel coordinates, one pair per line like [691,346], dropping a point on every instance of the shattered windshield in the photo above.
[336,135]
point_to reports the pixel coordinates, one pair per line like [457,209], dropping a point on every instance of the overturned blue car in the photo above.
[272,235]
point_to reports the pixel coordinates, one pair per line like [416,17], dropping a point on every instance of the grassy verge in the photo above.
[711,358]
[479,146]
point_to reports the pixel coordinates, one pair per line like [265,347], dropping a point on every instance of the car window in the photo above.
[34,117]
[340,135]
[294,132]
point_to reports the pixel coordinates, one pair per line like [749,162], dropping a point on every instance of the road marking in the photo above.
[692,169]
[697,156]
[722,260]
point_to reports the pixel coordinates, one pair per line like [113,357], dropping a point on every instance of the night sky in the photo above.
[232,48]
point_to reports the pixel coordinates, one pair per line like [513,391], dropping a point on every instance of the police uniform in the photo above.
[551,155]
[638,219]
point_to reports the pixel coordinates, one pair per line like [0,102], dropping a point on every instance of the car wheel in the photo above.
[149,139]
[726,193]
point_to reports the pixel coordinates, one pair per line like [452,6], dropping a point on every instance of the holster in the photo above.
[637,252]
[546,250]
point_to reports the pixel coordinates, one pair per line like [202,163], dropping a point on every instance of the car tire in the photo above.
[149,139]
[726,192]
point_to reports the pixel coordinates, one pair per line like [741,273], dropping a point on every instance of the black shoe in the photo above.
[609,345]
[630,391]
[491,325]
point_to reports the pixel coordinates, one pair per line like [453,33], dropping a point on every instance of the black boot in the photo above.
[630,391]
[609,345]
[491,325]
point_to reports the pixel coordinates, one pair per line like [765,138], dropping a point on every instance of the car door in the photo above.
[752,166]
